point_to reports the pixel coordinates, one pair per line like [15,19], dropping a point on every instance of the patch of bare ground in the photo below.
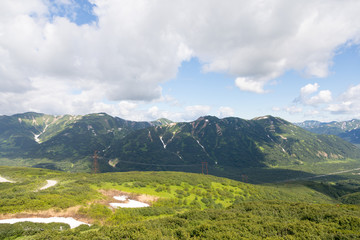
[54,212]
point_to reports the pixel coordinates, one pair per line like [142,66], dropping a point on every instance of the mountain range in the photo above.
[348,130]
[206,144]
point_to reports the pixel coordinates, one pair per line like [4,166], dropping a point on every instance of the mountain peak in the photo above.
[207,118]
[28,115]
[163,121]
[262,117]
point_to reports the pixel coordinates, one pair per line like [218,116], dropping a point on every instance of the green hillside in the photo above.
[61,142]
[264,149]
[227,143]
[183,206]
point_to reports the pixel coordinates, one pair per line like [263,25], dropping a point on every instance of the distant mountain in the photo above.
[348,130]
[69,142]
[57,137]
[228,142]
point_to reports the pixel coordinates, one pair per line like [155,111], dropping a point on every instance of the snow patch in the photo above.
[161,139]
[68,220]
[128,203]
[200,145]
[270,138]
[106,149]
[179,156]
[5,180]
[260,118]
[120,198]
[50,183]
[36,136]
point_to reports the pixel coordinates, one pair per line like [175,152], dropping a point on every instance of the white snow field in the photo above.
[4,180]
[68,220]
[128,204]
[50,183]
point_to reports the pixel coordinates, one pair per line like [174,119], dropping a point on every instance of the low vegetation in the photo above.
[187,206]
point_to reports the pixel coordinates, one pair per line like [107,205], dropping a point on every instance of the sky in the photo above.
[181,59]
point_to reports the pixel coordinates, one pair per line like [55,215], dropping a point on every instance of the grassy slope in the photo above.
[190,206]
[171,186]
[232,147]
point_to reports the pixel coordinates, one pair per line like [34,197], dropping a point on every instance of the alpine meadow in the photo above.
[144,119]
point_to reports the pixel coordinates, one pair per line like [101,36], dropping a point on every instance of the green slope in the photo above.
[228,143]
[61,142]
[189,206]
[228,147]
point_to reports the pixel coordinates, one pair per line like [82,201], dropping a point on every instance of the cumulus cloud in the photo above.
[137,45]
[348,102]
[309,95]
[225,112]
[250,85]
[309,89]
[322,97]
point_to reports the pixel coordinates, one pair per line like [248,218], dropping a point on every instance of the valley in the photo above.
[142,120]
[209,178]
[230,147]
[192,205]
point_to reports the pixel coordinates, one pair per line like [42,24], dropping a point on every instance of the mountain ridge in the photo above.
[234,141]
[68,143]
[347,130]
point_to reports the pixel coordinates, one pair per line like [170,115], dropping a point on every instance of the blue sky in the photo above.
[143,60]
[217,89]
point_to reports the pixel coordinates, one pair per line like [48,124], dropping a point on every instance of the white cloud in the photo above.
[322,97]
[226,112]
[312,113]
[340,108]
[353,93]
[347,103]
[293,109]
[196,111]
[249,85]
[309,89]
[137,45]
[307,96]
